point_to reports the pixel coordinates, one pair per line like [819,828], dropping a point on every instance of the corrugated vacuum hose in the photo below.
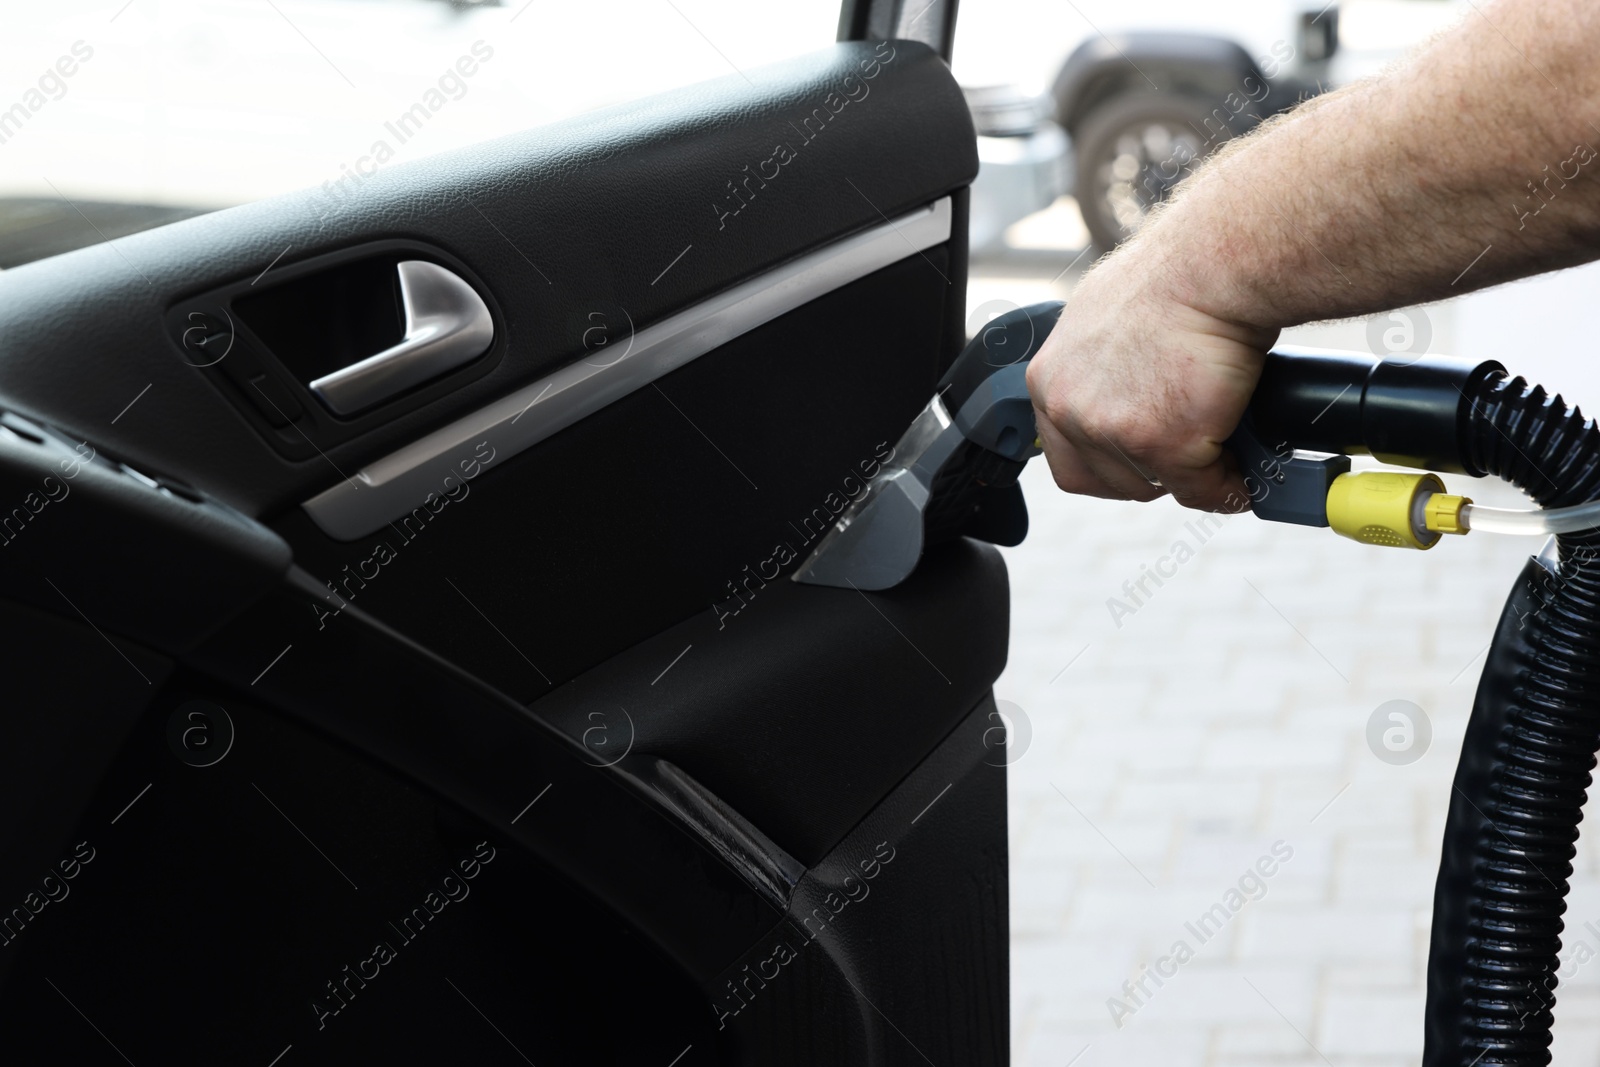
[1530,745]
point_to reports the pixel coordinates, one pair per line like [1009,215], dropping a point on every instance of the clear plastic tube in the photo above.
[1534,523]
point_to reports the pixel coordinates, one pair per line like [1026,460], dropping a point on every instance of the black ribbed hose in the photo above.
[1530,745]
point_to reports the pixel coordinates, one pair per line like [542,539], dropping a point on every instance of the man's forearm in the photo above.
[1473,163]
[1383,194]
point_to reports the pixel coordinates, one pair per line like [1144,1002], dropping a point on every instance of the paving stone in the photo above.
[1376,1023]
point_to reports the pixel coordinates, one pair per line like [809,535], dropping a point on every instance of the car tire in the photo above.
[1132,151]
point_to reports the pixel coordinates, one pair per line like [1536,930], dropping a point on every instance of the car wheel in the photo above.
[1132,151]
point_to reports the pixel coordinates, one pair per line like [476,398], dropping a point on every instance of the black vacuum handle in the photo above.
[1009,340]
[1410,412]
[1405,411]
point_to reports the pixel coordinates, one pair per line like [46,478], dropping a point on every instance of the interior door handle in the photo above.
[447,325]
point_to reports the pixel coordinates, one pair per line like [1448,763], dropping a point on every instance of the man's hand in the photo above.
[1476,162]
[1135,391]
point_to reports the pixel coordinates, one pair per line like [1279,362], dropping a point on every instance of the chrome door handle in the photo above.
[447,325]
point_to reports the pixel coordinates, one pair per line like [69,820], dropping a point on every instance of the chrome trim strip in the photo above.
[405,479]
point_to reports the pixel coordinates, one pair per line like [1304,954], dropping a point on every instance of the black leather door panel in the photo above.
[432,686]
[585,213]
[805,708]
[656,508]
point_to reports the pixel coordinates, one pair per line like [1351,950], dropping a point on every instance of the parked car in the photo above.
[1143,94]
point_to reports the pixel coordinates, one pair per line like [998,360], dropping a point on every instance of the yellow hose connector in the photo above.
[1442,513]
[1394,508]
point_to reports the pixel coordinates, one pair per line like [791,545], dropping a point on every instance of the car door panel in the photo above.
[601,204]
[803,753]
[211,858]
[584,655]
[638,517]
[621,360]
